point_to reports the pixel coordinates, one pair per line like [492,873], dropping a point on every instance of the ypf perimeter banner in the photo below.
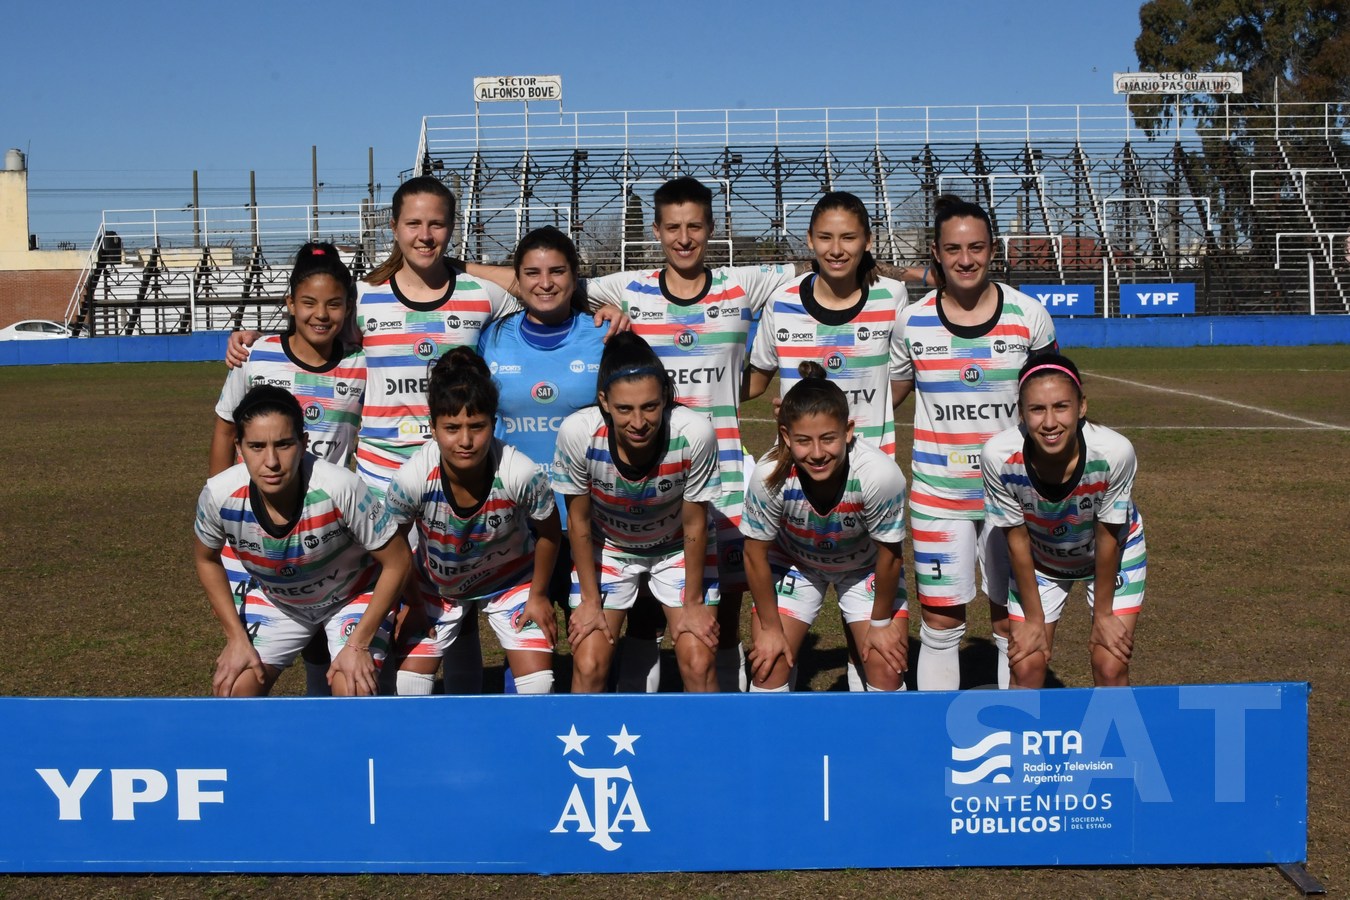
[1117,776]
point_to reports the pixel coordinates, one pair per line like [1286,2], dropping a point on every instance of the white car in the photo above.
[35,330]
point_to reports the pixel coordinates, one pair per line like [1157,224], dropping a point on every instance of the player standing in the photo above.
[825,510]
[640,474]
[958,351]
[487,533]
[1061,489]
[322,548]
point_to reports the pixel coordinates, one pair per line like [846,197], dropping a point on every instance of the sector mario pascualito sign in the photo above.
[517,88]
[1177,82]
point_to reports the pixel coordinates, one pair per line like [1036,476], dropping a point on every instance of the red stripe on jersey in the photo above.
[961,438]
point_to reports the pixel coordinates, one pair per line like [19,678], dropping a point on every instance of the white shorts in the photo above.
[1128,598]
[620,576]
[279,637]
[946,552]
[445,619]
[801,594]
[731,544]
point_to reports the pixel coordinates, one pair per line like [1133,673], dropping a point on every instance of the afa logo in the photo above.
[664,485]
[603,802]
[577,366]
[835,362]
[425,349]
[453,322]
[544,392]
[782,334]
[311,541]
[972,374]
[686,340]
[864,333]
[313,414]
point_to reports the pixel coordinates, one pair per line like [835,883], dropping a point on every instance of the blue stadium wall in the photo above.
[1163,331]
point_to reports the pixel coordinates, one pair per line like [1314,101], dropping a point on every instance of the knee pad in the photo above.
[414,684]
[535,683]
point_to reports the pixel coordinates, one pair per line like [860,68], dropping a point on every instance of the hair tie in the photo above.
[634,372]
[317,251]
[1043,366]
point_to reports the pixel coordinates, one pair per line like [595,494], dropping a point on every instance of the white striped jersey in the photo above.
[1061,519]
[638,514]
[318,561]
[965,392]
[852,345]
[838,541]
[468,554]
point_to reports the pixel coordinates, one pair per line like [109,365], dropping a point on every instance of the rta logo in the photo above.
[425,349]
[686,339]
[311,541]
[834,362]
[782,334]
[597,809]
[313,413]
[972,374]
[863,333]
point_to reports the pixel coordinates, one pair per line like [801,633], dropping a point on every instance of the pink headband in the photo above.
[1034,369]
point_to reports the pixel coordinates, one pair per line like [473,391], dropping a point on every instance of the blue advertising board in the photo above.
[1115,776]
[1157,299]
[1064,299]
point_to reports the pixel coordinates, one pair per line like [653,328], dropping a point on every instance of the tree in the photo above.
[1303,45]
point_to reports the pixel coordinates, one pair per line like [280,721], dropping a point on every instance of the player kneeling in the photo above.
[323,550]
[825,510]
[487,530]
[639,473]
[1060,488]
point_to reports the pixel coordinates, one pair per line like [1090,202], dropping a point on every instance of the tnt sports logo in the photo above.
[603,802]
[288,571]
[835,362]
[850,521]
[372,325]
[664,485]
[577,366]
[494,520]
[342,388]
[712,312]
[453,322]
[425,349]
[916,348]
[686,340]
[1085,503]
[311,541]
[972,374]
[864,333]
[782,334]
[544,392]
[492,367]
[1000,346]
[313,414]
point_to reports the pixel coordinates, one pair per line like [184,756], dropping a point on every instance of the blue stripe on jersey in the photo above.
[934,459]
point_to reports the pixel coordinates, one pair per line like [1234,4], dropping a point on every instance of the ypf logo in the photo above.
[686,340]
[544,392]
[425,349]
[972,374]
[992,765]
[594,806]
[313,414]
[834,362]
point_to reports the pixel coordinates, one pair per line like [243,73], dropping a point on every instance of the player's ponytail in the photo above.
[815,394]
[461,381]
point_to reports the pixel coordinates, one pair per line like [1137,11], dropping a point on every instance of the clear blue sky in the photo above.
[117,103]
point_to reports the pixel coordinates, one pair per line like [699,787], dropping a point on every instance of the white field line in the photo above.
[1197,396]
